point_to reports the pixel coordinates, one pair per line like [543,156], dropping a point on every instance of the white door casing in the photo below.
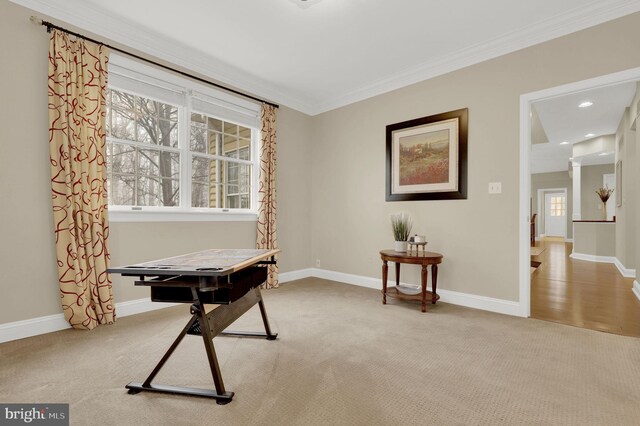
[526,100]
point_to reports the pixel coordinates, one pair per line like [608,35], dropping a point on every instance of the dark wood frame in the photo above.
[463,128]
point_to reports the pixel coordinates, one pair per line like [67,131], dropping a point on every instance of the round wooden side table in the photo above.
[424,260]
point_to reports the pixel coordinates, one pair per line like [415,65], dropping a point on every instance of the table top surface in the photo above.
[212,262]
[426,255]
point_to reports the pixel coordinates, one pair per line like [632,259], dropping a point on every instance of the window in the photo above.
[221,163]
[143,158]
[558,206]
[177,146]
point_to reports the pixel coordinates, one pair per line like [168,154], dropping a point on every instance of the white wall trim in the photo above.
[463,299]
[96,20]
[592,258]
[105,24]
[32,327]
[50,323]
[636,289]
[524,261]
[626,272]
[285,277]
[575,20]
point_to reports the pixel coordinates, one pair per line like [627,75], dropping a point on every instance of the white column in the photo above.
[577,209]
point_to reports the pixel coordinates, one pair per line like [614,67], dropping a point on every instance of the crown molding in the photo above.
[575,20]
[122,31]
[119,30]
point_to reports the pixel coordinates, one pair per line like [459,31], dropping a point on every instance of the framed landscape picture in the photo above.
[427,158]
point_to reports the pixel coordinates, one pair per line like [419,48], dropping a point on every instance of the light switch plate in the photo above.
[495,187]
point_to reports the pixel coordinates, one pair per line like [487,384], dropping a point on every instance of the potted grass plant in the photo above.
[604,193]
[401,225]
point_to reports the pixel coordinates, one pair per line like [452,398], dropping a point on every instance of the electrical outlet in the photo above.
[317,263]
[495,187]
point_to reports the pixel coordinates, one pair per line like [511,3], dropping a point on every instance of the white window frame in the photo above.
[154,82]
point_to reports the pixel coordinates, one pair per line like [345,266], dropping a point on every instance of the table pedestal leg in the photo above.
[397,274]
[434,283]
[385,271]
[423,280]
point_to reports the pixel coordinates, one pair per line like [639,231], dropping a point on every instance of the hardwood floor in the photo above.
[583,294]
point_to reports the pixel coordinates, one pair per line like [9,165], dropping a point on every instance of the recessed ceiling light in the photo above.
[589,135]
[564,143]
[585,104]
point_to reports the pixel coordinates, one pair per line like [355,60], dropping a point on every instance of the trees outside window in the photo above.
[149,165]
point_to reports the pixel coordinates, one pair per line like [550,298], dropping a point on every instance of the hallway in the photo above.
[583,294]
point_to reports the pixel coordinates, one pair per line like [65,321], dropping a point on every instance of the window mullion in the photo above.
[184,126]
[256,147]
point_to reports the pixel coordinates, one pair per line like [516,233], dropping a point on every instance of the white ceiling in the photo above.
[563,120]
[322,54]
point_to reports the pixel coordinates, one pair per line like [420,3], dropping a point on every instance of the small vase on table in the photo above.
[401,226]
[400,246]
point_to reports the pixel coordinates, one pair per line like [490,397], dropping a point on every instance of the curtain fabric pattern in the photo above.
[77,88]
[267,191]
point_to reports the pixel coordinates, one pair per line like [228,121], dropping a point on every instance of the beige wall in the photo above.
[595,239]
[478,236]
[591,179]
[626,213]
[331,180]
[29,278]
[548,181]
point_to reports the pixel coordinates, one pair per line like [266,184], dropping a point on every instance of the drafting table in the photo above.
[226,277]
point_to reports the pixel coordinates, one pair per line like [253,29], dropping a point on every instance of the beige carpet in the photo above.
[342,358]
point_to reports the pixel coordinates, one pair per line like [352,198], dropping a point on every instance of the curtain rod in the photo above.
[49,26]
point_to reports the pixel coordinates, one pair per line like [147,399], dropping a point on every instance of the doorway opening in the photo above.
[554,202]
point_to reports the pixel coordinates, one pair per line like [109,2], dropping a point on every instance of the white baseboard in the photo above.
[294,275]
[592,258]
[500,306]
[625,272]
[33,327]
[636,289]
[50,323]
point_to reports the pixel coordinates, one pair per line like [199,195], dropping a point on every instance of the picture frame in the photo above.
[427,158]
[619,183]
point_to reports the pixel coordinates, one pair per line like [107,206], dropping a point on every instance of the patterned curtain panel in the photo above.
[267,191]
[77,87]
